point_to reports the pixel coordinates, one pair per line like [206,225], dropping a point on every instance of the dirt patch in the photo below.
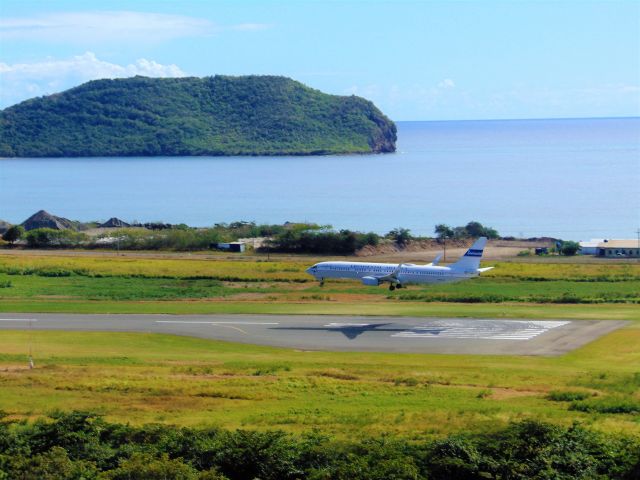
[15,368]
[424,251]
[505,393]
[247,296]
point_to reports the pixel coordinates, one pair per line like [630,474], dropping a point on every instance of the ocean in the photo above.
[567,178]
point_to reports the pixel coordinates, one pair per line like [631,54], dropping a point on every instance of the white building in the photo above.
[591,247]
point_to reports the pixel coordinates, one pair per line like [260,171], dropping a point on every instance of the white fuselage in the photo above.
[405,274]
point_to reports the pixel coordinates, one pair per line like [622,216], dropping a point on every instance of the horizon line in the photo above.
[613,117]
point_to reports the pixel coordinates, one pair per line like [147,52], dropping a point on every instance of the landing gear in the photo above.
[399,285]
[392,287]
[322,282]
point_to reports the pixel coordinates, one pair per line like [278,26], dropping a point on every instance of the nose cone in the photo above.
[311,270]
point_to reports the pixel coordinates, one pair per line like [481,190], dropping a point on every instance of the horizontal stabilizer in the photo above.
[486,269]
[435,261]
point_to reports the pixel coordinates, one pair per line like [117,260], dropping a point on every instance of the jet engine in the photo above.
[371,281]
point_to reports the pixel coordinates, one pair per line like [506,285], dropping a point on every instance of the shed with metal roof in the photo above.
[619,249]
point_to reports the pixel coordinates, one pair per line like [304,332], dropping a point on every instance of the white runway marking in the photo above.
[18,320]
[482,330]
[217,323]
[342,325]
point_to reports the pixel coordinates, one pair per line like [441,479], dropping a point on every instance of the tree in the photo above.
[400,235]
[443,231]
[569,248]
[476,229]
[144,466]
[14,234]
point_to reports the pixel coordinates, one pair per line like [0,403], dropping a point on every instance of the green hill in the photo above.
[221,115]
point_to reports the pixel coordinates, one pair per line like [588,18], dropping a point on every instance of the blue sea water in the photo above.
[573,179]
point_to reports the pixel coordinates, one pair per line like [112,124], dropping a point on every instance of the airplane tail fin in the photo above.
[471,260]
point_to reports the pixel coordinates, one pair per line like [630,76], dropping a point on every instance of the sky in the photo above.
[416,60]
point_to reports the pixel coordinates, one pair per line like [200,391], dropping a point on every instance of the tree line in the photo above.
[306,238]
[80,445]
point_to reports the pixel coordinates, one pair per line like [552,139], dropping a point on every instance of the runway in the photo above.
[344,333]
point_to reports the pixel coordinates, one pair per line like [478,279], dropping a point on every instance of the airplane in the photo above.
[374,274]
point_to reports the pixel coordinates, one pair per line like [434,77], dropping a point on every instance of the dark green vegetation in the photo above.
[302,240]
[13,233]
[305,238]
[79,445]
[470,230]
[569,248]
[221,115]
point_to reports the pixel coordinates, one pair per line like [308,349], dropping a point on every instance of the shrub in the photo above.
[567,396]
[569,248]
[13,234]
[608,405]
[78,445]
[400,235]
[344,242]
[51,238]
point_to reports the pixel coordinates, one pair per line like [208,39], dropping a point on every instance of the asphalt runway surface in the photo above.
[344,333]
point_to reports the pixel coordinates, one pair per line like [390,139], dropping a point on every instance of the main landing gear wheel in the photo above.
[322,283]
[392,287]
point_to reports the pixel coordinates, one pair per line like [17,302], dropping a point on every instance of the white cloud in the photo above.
[25,80]
[112,26]
[446,84]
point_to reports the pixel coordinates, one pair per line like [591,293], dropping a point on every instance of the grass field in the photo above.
[155,378]
[148,378]
[248,285]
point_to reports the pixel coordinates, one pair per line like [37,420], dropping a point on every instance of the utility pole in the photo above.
[31,365]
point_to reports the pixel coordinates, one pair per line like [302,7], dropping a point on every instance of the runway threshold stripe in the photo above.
[516,330]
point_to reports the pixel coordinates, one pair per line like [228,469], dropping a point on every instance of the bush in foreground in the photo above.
[79,445]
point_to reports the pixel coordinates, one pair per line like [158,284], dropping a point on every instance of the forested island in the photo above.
[219,115]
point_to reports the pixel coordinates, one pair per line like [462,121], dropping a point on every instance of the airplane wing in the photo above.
[435,261]
[393,276]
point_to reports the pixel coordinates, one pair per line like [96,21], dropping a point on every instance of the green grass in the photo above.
[413,309]
[160,378]
[154,378]
[483,290]
[92,283]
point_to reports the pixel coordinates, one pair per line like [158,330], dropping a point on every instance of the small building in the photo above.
[231,246]
[619,249]
[591,247]
[542,250]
